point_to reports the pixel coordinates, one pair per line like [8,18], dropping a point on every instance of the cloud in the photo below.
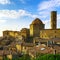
[15,14]
[48,25]
[23,1]
[49,4]
[1,26]
[58,21]
[45,7]
[5,2]
[2,21]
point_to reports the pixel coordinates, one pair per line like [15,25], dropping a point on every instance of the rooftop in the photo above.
[37,21]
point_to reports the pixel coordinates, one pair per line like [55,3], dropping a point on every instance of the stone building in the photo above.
[10,33]
[35,27]
[38,33]
[49,36]
[25,32]
[53,32]
[50,33]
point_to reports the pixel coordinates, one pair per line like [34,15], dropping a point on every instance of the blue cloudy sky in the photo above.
[17,14]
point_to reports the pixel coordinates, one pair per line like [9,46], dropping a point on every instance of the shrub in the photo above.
[49,57]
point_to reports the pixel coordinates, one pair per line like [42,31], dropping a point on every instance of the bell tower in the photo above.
[53,19]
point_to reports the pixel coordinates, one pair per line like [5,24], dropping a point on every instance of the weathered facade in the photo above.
[25,32]
[46,36]
[35,27]
[53,32]
[50,33]
[10,33]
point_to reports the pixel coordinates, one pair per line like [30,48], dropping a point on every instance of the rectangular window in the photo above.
[55,36]
[55,31]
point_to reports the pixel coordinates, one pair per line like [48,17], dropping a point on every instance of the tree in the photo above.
[24,57]
[48,57]
[5,58]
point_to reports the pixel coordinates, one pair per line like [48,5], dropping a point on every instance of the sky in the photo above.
[18,14]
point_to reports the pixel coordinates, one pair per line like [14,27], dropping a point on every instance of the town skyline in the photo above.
[15,15]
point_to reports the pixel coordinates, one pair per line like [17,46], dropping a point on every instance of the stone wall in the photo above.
[49,33]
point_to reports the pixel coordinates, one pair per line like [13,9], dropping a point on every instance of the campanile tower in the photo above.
[53,19]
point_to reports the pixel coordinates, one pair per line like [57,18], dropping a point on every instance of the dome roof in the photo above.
[37,21]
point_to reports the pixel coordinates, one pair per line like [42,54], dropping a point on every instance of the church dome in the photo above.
[37,21]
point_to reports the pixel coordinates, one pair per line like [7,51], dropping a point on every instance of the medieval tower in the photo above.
[53,19]
[35,27]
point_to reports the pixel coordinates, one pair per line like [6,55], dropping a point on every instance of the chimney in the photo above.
[53,19]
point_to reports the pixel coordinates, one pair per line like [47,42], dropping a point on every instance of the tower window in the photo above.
[55,31]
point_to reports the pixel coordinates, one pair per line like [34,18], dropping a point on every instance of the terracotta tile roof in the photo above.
[4,52]
[28,44]
[1,52]
[43,49]
[37,21]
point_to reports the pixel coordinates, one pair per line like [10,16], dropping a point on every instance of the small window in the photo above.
[45,36]
[42,36]
[55,36]
[55,31]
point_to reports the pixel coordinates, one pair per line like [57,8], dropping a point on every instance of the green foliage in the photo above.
[39,57]
[15,58]
[24,57]
[48,57]
[5,58]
